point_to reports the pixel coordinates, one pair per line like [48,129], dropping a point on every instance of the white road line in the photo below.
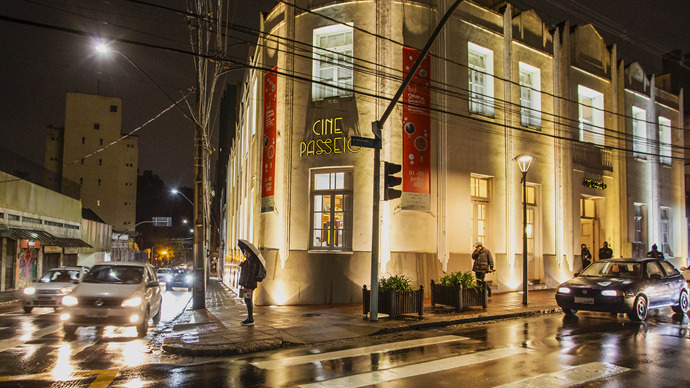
[576,375]
[14,342]
[371,378]
[366,350]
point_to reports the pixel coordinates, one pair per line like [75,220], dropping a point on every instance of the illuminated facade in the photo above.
[496,85]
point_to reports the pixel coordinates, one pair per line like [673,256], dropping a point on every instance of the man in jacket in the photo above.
[248,272]
[483,263]
[605,252]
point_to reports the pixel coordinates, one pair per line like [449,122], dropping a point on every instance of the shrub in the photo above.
[398,283]
[465,280]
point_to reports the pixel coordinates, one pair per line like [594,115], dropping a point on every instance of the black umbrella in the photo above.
[246,245]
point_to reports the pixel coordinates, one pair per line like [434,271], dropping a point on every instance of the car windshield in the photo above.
[614,270]
[60,276]
[163,270]
[118,274]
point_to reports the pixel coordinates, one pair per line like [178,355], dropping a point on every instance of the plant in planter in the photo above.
[459,290]
[396,297]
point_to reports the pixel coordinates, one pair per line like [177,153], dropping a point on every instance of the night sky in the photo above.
[39,65]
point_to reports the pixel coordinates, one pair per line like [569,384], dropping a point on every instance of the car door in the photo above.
[153,294]
[675,282]
[657,290]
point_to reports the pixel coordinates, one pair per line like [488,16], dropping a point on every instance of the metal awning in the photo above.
[46,238]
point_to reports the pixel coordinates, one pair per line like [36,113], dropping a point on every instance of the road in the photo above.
[593,349]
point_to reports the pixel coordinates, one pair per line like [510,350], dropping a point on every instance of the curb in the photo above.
[175,345]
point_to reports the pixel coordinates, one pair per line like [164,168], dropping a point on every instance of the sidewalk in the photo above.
[216,331]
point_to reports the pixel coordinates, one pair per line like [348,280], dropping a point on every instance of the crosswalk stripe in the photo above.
[569,377]
[14,342]
[371,378]
[366,350]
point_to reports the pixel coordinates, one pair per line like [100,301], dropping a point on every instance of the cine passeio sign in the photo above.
[595,184]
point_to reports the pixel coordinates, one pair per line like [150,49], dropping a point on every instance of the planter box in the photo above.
[396,303]
[458,297]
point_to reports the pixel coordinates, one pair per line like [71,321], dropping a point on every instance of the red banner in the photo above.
[268,158]
[416,136]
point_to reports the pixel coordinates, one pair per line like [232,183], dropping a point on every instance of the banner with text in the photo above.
[416,136]
[268,164]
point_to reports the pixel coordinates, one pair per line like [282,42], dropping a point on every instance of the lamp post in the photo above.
[524,161]
[175,191]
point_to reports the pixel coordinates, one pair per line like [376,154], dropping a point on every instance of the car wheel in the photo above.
[189,288]
[683,303]
[639,312]
[568,311]
[144,325]
[157,317]
[168,287]
[27,309]
[70,330]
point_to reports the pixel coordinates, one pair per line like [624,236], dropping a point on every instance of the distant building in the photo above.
[606,136]
[92,151]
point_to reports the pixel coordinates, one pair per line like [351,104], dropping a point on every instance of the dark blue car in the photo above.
[179,277]
[630,286]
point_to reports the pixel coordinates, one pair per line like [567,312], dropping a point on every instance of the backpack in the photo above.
[261,273]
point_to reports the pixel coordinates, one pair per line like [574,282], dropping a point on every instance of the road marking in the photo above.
[569,377]
[14,342]
[103,379]
[371,378]
[366,350]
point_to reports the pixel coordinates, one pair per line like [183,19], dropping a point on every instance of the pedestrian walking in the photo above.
[483,263]
[252,271]
[605,252]
[655,253]
[585,255]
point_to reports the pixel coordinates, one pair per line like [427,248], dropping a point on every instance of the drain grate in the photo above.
[310,315]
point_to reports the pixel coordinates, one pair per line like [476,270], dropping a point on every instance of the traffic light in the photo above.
[390,182]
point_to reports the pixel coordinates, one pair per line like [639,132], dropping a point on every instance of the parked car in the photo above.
[51,287]
[114,294]
[163,274]
[630,286]
[180,277]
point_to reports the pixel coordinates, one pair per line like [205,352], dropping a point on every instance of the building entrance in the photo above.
[589,226]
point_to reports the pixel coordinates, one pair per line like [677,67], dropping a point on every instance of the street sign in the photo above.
[162,221]
[366,142]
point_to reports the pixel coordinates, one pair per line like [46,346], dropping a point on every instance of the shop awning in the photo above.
[46,238]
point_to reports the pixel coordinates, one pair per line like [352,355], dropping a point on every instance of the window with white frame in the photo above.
[591,106]
[332,64]
[665,141]
[530,96]
[639,243]
[639,124]
[331,209]
[666,236]
[480,63]
[479,191]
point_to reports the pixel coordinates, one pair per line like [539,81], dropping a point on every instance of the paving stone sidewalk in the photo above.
[216,330]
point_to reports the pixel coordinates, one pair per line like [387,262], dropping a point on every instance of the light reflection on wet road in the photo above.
[552,350]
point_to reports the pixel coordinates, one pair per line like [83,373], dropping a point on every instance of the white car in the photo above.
[114,294]
[51,287]
[163,274]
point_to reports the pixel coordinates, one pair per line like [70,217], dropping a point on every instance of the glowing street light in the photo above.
[524,161]
[175,191]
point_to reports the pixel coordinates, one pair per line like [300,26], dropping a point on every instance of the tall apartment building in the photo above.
[607,138]
[92,151]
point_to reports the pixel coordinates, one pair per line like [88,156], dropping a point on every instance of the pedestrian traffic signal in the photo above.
[391,181]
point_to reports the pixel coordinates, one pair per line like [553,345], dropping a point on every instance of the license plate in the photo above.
[97,314]
[584,300]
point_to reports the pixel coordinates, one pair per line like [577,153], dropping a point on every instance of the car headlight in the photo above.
[563,290]
[69,300]
[29,291]
[66,290]
[132,302]
[611,293]
[188,278]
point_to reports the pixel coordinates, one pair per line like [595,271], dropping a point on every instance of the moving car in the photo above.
[51,287]
[114,294]
[630,286]
[163,274]
[180,277]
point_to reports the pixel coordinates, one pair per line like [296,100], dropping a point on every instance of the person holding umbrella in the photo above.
[252,271]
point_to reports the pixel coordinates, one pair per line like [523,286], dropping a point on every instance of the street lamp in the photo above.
[524,161]
[175,191]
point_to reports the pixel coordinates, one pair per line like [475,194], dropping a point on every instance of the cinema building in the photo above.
[606,138]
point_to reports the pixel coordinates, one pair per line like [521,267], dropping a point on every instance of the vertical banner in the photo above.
[268,161]
[416,136]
